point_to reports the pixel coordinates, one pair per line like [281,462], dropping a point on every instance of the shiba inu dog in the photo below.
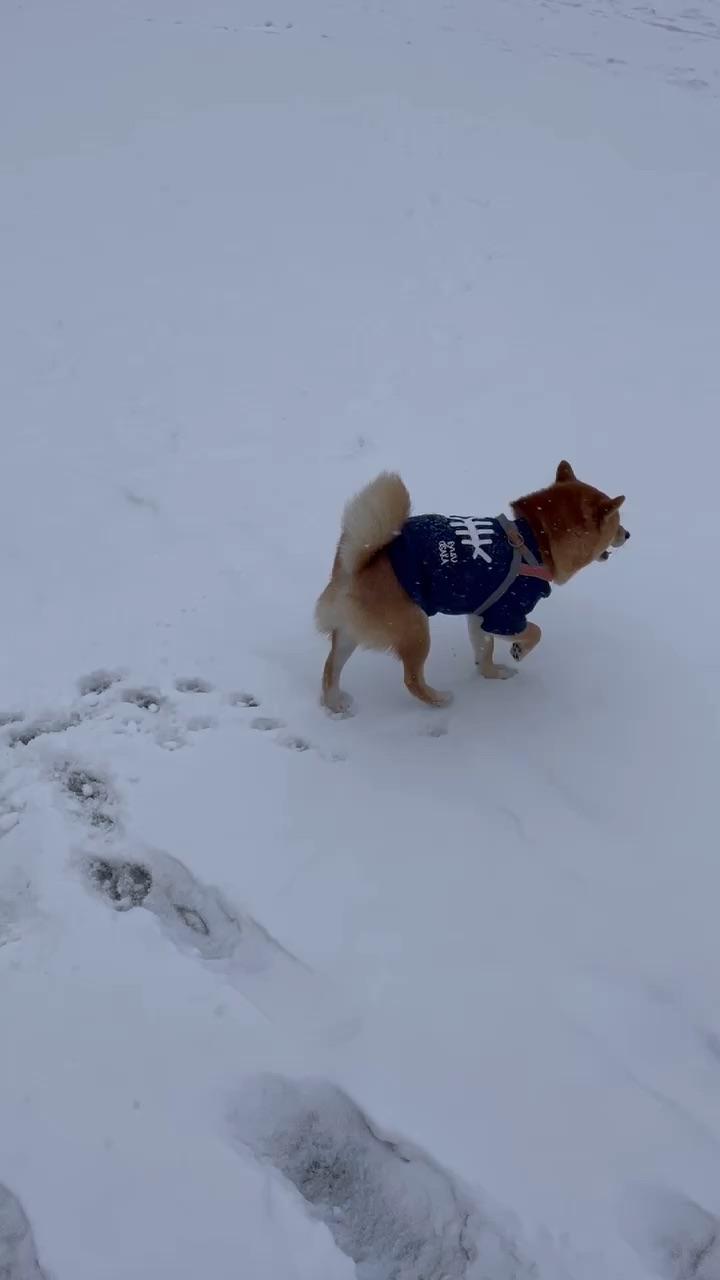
[393,571]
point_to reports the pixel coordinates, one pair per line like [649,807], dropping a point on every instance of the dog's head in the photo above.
[575,523]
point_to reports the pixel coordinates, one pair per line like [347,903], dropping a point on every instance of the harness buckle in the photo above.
[515,537]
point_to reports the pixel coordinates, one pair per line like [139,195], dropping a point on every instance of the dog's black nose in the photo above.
[627,534]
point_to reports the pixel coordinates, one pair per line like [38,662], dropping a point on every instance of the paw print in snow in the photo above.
[266,723]
[197,723]
[193,684]
[97,682]
[147,699]
[125,885]
[27,733]
[92,795]
[239,699]
[293,743]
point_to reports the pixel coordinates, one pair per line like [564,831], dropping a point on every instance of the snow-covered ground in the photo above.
[413,995]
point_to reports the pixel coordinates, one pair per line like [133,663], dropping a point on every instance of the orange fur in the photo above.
[364,605]
[573,522]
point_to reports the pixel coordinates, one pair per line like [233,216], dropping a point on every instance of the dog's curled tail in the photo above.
[372,519]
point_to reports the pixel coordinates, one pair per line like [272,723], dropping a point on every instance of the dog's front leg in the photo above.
[483,646]
[524,644]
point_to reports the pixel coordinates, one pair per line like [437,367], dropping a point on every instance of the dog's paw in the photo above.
[517,652]
[438,698]
[497,671]
[339,704]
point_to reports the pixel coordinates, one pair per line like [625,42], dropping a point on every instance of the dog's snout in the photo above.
[627,534]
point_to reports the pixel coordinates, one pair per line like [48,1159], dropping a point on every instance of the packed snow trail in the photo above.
[253,256]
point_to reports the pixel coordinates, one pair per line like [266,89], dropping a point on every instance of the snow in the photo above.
[412,995]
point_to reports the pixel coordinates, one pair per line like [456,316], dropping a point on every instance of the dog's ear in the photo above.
[564,472]
[608,505]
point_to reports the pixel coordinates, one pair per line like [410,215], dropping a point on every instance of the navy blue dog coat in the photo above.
[470,564]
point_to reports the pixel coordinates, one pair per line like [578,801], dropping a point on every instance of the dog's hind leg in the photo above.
[483,646]
[342,647]
[412,652]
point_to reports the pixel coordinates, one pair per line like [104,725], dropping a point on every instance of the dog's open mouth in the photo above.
[604,555]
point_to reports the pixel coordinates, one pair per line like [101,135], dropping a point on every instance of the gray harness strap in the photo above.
[521,555]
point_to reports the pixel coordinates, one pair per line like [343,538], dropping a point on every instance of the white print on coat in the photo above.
[476,534]
[448,554]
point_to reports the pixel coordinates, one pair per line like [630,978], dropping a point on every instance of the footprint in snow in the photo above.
[90,794]
[239,699]
[434,731]
[170,733]
[390,1208]
[124,884]
[197,723]
[98,682]
[196,918]
[147,699]
[44,725]
[191,913]
[293,742]
[193,684]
